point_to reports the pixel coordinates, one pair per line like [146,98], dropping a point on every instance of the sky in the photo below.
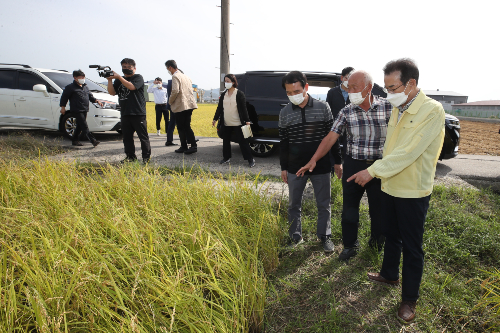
[454,43]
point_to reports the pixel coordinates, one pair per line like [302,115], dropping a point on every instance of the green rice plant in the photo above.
[491,299]
[129,250]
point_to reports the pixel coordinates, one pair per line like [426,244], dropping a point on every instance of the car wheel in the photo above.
[262,149]
[68,125]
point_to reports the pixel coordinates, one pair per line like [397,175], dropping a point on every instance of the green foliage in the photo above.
[129,250]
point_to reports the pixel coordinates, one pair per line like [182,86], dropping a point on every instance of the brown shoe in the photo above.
[77,143]
[377,278]
[95,143]
[406,311]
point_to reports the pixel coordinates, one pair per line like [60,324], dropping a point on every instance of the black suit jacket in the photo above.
[169,90]
[241,104]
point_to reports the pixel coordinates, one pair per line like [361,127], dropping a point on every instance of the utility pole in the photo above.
[224,42]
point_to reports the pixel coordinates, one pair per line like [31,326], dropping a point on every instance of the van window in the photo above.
[26,81]
[265,86]
[63,79]
[7,79]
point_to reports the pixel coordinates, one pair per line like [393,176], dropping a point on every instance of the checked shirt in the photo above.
[366,130]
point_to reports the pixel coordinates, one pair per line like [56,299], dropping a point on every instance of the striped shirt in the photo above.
[301,131]
[366,130]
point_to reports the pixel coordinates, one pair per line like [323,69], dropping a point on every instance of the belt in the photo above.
[162,104]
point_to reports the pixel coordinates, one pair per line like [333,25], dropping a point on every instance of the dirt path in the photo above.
[479,138]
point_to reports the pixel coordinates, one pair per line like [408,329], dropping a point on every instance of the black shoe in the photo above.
[328,246]
[128,160]
[181,150]
[294,243]
[191,150]
[170,143]
[347,253]
[95,143]
[224,161]
[251,163]
[77,143]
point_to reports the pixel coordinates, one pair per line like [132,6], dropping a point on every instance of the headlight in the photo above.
[106,105]
[453,122]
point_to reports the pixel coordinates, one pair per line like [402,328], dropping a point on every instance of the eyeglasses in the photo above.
[393,90]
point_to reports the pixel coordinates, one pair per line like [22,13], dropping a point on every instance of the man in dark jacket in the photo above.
[338,98]
[171,122]
[79,97]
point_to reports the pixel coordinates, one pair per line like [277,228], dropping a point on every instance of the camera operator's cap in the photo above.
[159,79]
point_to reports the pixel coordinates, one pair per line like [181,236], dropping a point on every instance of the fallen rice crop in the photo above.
[128,250]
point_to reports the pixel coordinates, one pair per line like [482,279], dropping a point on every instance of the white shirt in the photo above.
[161,95]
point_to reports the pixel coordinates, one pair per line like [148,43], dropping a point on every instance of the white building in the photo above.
[446,98]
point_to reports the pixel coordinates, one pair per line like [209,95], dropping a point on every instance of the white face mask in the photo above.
[345,83]
[228,85]
[398,98]
[297,99]
[158,85]
[81,81]
[357,98]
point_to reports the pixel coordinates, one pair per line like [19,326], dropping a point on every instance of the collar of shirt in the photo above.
[309,103]
[403,109]
[78,84]
[345,94]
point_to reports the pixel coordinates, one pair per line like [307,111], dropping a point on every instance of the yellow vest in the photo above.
[411,149]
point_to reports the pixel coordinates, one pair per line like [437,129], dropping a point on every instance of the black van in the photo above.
[266,97]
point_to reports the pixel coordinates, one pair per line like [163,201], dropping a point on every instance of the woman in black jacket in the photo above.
[232,114]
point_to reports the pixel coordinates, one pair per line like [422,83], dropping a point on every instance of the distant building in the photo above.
[446,98]
[480,109]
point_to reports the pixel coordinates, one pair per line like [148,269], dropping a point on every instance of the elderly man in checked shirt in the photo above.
[365,121]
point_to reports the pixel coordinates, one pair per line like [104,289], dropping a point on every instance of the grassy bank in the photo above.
[127,250]
[311,292]
[23,145]
[201,121]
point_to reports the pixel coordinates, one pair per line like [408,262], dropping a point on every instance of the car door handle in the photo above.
[21,99]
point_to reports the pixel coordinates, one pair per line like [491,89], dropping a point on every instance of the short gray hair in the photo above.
[367,76]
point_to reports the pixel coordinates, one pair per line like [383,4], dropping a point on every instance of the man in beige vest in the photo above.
[182,103]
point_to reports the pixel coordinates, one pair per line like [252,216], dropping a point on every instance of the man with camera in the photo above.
[79,96]
[130,90]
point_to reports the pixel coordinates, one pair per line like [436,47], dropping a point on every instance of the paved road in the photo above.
[479,170]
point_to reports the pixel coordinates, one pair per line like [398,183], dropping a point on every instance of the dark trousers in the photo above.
[82,127]
[171,127]
[322,191]
[161,110]
[352,194]
[227,133]
[186,134]
[131,124]
[404,232]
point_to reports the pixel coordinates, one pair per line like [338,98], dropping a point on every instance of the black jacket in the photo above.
[240,104]
[169,91]
[78,96]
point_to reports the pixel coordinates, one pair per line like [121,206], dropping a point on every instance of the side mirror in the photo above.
[41,88]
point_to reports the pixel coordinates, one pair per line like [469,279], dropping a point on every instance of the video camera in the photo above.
[104,71]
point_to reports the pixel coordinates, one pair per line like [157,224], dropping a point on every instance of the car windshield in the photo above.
[63,79]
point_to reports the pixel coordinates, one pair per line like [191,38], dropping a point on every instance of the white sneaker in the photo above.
[158,133]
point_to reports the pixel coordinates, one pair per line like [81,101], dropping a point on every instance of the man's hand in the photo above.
[361,178]
[100,103]
[337,168]
[63,110]
[308,167]
[213,122]
[284,176]
[114,76]
[248,123]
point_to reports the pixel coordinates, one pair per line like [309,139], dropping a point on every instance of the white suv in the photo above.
[29,97]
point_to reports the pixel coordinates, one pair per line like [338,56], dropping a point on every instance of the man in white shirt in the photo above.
[161,100]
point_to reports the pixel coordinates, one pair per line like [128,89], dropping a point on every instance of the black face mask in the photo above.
[127,71]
